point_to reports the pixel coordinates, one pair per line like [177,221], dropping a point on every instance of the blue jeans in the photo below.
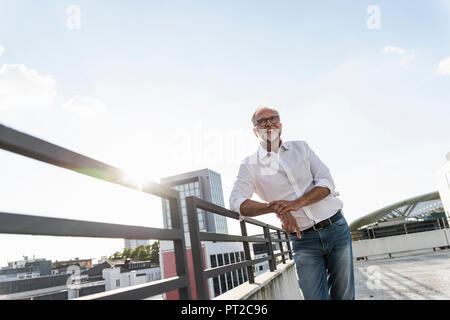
[324,262]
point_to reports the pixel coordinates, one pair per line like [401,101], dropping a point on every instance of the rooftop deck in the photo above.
[423,276]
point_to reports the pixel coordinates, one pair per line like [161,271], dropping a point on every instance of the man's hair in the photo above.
[261,108]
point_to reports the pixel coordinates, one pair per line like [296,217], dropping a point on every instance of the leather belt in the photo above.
[324,223]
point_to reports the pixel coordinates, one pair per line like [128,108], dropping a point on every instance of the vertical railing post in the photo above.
[288,242]
[272,265]
[251,275]
[196,247]
[281,246]
[179,245]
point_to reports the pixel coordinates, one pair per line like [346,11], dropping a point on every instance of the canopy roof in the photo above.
[414,207]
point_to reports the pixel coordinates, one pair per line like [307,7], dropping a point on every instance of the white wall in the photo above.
[212,248]
[443,184]
[129,278]
[401,243]
[264,265]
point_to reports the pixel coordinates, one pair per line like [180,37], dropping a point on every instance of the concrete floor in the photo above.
[423,276]
[415,276]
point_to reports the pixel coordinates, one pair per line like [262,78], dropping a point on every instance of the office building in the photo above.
[207,185]
[133,243]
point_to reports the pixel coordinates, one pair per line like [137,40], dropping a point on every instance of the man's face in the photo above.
[267,126]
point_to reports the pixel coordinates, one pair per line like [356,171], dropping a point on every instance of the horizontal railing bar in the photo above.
[280,253]
[208,206]
[276,228]
[212,272]
[255,222]
[12,223]
[261,224]
[205,205]
[279,240]
[35,148]
[140,291]
[159,190]
[275,239]
[209,236]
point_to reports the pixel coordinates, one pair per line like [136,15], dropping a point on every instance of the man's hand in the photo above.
[282,207]
[289,224]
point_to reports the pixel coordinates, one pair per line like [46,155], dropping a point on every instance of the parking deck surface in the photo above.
[423,276]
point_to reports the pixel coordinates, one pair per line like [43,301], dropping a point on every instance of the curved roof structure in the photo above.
[416,207]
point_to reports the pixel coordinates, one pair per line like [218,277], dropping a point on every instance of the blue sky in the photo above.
[162,87]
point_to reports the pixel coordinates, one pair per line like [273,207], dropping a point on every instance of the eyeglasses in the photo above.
[262,122]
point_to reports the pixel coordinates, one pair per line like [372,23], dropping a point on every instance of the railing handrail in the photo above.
[201,274]
[211,207]
[13,223]
[38,149]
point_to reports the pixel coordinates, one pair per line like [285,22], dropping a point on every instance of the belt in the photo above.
[324,223]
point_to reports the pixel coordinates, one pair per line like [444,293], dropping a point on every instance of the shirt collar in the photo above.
[285,145]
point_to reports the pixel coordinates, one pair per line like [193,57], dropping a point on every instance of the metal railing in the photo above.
[201,274]
[404,227]
[32,147]
[12,223]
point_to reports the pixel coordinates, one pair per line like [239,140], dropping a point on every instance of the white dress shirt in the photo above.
[286,175]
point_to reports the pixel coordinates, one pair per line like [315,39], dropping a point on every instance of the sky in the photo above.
[159,88]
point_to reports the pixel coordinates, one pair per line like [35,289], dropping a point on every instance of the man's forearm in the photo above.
[313,196]
[251,208]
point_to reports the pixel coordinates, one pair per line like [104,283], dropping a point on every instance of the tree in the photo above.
[116,256]
[127,253]
[154,252]
[141,253]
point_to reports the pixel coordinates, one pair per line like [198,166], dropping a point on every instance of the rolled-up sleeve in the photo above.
[321,173]
[243,188]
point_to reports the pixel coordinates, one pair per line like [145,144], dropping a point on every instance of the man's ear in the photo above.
[255,132]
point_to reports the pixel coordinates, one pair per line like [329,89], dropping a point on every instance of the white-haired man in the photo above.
[298,187]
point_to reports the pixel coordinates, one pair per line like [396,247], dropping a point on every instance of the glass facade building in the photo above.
[228,280]
[205,184]
[133,243]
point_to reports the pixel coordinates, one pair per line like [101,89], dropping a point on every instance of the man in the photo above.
[298,187]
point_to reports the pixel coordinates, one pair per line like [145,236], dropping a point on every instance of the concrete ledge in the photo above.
[282,284]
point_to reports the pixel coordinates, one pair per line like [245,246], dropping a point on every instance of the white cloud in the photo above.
[21,86]
[407,55]
[2,50]
[85,106]
[392,49]
[408,58]
[444,67]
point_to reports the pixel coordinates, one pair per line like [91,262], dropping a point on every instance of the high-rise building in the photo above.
[133,244]
[207,185]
